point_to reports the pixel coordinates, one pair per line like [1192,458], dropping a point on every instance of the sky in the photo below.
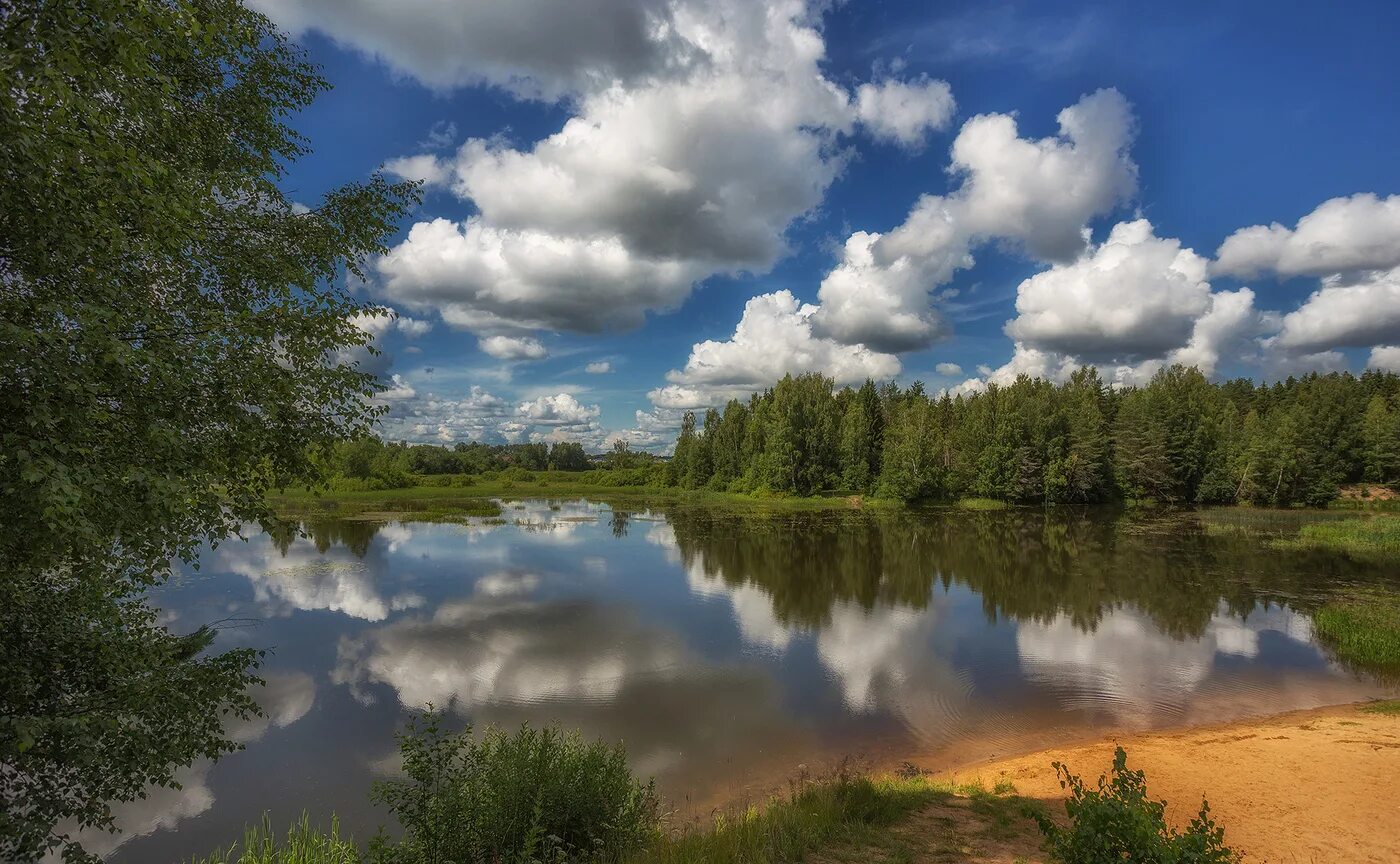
[634,208]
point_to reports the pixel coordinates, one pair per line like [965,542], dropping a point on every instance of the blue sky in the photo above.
[639,207]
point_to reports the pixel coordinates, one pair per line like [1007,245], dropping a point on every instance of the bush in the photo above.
[535,795]
[304,845]
[1118,822]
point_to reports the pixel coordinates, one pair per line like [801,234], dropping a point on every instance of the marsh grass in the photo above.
[1389,707]
[981,504]
[303,844]
[1375,538]
[1363,629]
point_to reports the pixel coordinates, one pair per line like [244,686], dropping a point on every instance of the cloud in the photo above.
[442,134]
[1134,296]
[656,182]
[425,167]
[304,579]
[513,348]
[398,389]
[561,409]
[1346,312]
[598,367]
[1128,667]
[535,48]
[1036,194]
[379,325]
[1131,306]
[774,337]
[1384,357]
[1342,235]
[905,112]
[588,666]
[483,416]
[486,279]
[948,369]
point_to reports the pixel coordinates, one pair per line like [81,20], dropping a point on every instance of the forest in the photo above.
[1179,439]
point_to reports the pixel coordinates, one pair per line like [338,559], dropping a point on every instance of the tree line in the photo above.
[371,463]
[1180,439]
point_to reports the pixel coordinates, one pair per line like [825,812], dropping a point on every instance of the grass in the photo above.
[1363,629]
[844,811]
[303,845]
[1389,707]
[474,498]
[1375,538]
[981,504]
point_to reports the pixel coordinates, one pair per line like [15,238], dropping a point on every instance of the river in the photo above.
[733,649]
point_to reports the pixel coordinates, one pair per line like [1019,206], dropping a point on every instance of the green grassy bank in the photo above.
[1371,538]
[1363,629]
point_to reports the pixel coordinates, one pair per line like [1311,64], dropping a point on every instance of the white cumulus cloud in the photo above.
[1361,232]
[1385,358]
[1136,295]
[1346,312]
[905,111]
[513,347]
[1038,194]
[774,337]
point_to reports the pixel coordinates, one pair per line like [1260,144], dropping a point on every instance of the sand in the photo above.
[1309,786]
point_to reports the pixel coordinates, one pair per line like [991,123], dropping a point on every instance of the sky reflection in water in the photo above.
[726,648]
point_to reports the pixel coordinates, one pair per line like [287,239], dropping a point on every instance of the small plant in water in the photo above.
[1118,823]
[532,795]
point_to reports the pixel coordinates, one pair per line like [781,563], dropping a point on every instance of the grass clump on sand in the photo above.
[1383,706]
[303,845]
[1376,538]
[1362,629]
[1117,822]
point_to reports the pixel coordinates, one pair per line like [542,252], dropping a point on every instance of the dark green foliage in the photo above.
[535,795]
[174,335]
[1178,439]
[1117,822]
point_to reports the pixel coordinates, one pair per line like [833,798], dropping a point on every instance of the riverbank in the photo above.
[1306,786]
[475,498]
[440,497]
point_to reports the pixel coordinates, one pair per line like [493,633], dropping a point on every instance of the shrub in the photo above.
[304,845]
[1118,822]
[535,795]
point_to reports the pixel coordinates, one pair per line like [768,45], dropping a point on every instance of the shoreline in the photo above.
[1300,786]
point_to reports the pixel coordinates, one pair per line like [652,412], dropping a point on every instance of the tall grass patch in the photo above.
[532,795]
[302,844]
[1363,629]
[1376,538]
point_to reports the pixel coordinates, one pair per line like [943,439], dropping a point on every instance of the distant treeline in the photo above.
[1180,439]
[373,464]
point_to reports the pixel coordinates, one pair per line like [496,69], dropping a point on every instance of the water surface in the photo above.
[729,647]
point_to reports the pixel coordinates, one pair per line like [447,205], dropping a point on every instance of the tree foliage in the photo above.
[176,338]
[1180,438]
